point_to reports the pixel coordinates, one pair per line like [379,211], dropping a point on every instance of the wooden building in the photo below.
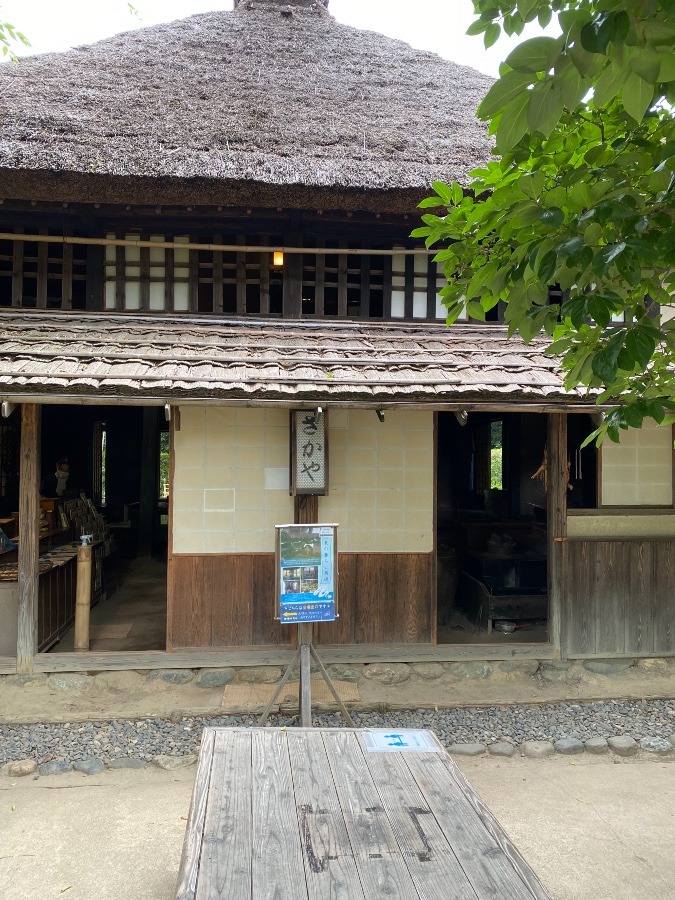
[145,185]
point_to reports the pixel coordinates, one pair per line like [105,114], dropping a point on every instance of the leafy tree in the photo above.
[582,197]
[9,37]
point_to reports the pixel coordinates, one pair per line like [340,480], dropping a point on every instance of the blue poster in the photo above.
[306,560]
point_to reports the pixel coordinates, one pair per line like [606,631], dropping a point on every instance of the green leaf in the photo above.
[553,216]
[596,35]
[605,363]
[570,246]
[640,346]
[503,92]
[513,123]
[478,27]
[492,35]
[605,257]
[535,55]
[637,96]
[607,86]
[544,17]
[547,266]
[576,309]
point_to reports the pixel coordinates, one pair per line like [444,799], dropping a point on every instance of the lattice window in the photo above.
[41,274]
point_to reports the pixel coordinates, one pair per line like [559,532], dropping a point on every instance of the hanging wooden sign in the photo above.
[309,452]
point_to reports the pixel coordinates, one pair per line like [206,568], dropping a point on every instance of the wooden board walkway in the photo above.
[322,814]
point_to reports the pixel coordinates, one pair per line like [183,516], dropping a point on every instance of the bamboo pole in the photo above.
[83,599]
[227,248]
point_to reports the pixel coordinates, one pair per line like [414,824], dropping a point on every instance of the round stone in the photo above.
[127,762]
[537,749]
[119,682]
[568,746]
[607,666]
[19,768]
[469,670]
[259,674]
[597,745]
[501,748]
[172,676]
[210,678]
[428,671]
[659,746]
[653,666]
[554,670]
[89,766]
[623,745]
[55,767]
[467,749]
[342,672]
[174,762]
[388,673]
[69,681]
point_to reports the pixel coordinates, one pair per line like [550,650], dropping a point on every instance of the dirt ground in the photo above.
[589,827]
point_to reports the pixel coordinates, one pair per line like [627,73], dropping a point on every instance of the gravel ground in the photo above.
[148,738]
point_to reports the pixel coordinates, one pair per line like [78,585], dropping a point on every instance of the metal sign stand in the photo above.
[306,653]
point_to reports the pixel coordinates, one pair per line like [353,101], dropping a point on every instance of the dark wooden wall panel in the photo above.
[619,597]
[224,600]
[385,598]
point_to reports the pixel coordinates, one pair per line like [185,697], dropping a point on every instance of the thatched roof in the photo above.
[145,358]
[268,97]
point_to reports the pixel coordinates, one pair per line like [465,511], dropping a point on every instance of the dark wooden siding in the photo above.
[619,598]
[227,600]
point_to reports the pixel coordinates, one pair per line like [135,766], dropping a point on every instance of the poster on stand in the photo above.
[306,560]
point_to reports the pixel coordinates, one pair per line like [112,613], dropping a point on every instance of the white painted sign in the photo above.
[392,740]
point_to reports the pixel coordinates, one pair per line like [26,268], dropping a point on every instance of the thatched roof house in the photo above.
[266,98]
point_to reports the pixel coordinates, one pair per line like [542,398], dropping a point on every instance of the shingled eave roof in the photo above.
[254,96]
[62,356]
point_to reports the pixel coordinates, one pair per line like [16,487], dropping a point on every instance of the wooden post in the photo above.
[83,598]
[292,289]
[29,538]
[556,523]
[305,688]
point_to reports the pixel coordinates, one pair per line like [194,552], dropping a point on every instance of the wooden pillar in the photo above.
[306,512]
[556,524]
[292,293]
[149,475]
[29,537]
[83,598]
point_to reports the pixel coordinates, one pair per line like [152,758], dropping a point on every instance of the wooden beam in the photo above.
[120,279]
[218,277]
[42,267]
[193,286]
[409,286]
[67,277]
[17,272]
[95,283]
[343,263]
[264,278]
[556,523]
[29,537]
[145,279]
[241,277]
[319,282]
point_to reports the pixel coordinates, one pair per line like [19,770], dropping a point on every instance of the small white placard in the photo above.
[392,740]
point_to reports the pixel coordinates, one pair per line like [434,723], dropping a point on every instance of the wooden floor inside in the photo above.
[318,813]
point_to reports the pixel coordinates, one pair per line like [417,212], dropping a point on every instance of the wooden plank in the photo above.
[292,281]
[429,856]
[556,525]
[145,279]
[328,855]
[409,287]
[17,271]
[29,537]
[227,849]
[120,279]
[42,268]
[277,852]
[67,277]
[264,277]
[639,596]
[319,281]
[378,859]
[241,277]
[609,596]
[95,281]
[188,871]
[664,598]
[305,699]
[487,856]
[218,276]
[193,280]
[342,263]
[169,277]
[386,288]
[364,310]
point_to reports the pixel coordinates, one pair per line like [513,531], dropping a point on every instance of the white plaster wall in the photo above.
[618,526]
[230,480]
[381,481]
[639,470]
